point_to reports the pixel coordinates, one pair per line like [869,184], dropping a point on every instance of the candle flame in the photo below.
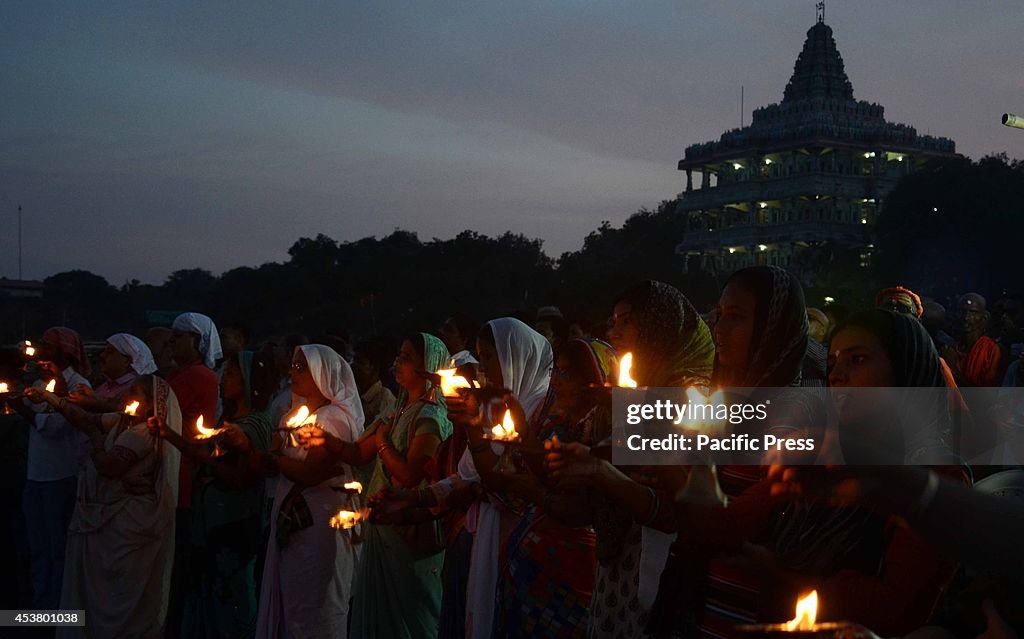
[203,431]
[346,519]
[3,387]
[450,382]
[299,417]
[131,408]
[30,351]
[506,430]
[625,367]
[354,485]
[52,386]
[806,613]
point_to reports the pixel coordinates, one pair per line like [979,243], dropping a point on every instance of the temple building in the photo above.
[807,176]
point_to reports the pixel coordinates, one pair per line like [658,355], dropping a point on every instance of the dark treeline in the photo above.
[955,226]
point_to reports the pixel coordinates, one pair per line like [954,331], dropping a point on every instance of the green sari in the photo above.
[397,590]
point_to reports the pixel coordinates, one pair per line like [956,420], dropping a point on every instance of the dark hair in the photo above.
[486,334]
[237,326]
[559,327]
[581,361]
[264,378]
[291,341]
[377,350]
[465,325]
[416,339]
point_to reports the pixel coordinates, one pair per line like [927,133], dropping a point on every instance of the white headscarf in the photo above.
[333,378]
[136,350]
[209,338]
[526,359]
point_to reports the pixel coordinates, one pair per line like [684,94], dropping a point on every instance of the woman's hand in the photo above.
[81,393]
[464,410]
[158,427]
[570,460]
[315,437]
[39,395]
[382,434]
[389,504]
[235,438]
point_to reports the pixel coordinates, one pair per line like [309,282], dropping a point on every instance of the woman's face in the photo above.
[623,330]
[232,385]
[302,379]
[490,364]
[566,385]
[734,328]
[857,359]
[407,364]
[112,363]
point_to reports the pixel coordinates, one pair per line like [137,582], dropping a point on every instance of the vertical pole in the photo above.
[20,274]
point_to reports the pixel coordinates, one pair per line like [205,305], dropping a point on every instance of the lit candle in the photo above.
[354,486]
[806,613]
[301,418]
[506,430]
[451,383]
[206,433]
[131,408]
[4,388]
[52,386]
[346,519]
[625,367]
[29,349]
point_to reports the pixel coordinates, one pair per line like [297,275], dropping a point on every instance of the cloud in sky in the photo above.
[145,139]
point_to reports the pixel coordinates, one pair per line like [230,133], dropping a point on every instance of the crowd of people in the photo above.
[182,490]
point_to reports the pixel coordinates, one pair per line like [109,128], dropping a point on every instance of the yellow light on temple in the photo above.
[450,382]
[130,409]
[354,485]
[506,430]
[806,613]
[52,386]
[625,368]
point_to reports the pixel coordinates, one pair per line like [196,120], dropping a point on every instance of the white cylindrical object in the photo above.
[1015,121]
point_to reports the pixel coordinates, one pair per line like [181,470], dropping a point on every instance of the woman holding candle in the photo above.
[307,578]
[399,562]
[122,361]
[671,346]
[518,359]
[547,578]
[55,453]
[120,540]
[227,521]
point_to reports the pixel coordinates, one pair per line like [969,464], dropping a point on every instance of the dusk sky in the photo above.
[143,138]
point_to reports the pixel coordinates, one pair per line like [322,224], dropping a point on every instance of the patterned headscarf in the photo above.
[779,342]
[136,350]
[69,342]
[209,338]
[923,414]
[674,345]
[600,354]
[901,300]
